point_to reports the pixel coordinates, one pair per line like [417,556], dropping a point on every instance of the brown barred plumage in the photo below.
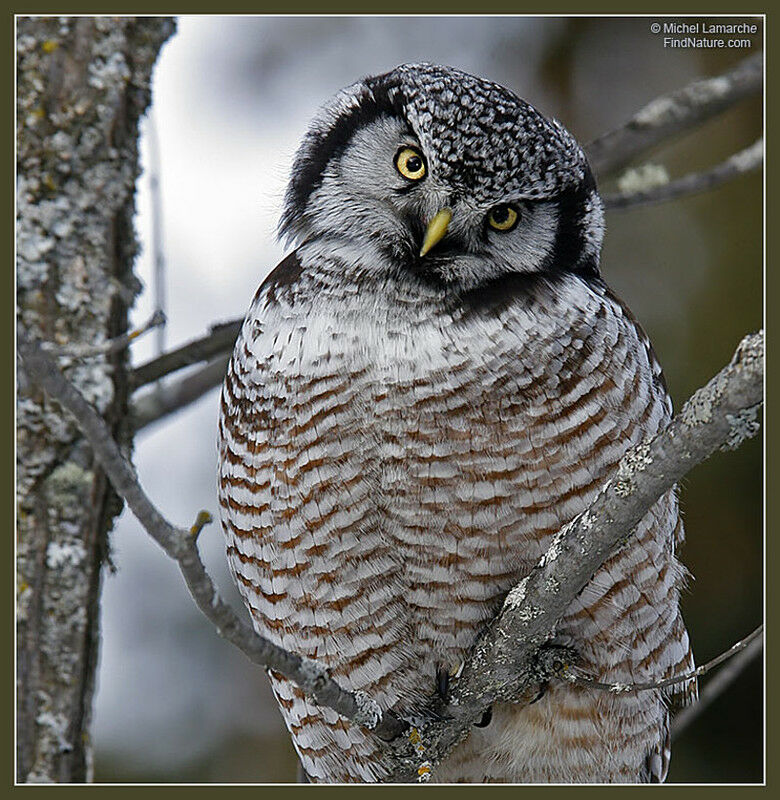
[395,455]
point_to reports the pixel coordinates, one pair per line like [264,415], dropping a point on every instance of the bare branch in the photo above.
[510,655]
[717,686]
[157,225]
[167,399]
[180,544]
[574,675]
[219,341]
[105,348]
[742,163]
[669,115]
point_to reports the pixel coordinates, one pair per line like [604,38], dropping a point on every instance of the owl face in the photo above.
[453,179]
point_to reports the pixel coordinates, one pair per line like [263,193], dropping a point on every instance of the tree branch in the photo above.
[506,659]
[115,345]
[717,686]
[747,160]
[166,399]
[155,195]
[671,114]
[219,341]
[181,545]
[509,656]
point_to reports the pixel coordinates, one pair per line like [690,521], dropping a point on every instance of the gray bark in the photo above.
[82,85]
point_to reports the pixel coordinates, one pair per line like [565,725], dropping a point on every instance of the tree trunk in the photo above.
[83,84]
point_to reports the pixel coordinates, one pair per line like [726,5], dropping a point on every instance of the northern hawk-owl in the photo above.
[423,393]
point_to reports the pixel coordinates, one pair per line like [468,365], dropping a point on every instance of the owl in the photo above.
[433,383]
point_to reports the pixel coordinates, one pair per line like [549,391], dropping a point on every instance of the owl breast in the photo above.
[388,471]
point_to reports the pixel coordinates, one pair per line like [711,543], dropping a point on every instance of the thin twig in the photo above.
[717,686]
[114,345]
[573,675]
[166,399]
[219,341]
[742,163]
[507,657]
[669,115]
[157,224]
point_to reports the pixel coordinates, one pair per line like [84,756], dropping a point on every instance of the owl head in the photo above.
[454,179]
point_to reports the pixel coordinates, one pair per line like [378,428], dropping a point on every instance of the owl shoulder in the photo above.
[272,313]
[644,345]
[251,378]
[549,314]
[280,280]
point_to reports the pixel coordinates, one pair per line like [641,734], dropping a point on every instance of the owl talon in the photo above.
[443,677]
[442,682]
[486,719]
[542,692]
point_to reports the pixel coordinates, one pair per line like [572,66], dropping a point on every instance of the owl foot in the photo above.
[443,676]
[541,693]
[442,682]
[551,662]
[443,686]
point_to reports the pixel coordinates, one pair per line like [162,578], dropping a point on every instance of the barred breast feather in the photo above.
[392,461]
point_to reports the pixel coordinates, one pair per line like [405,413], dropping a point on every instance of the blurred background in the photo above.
[232,97]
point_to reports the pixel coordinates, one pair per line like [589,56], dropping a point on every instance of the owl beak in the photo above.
[436,229]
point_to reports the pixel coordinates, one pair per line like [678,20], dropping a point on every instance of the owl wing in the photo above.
[681,661]
[632,602]
[590,387]
[293,502]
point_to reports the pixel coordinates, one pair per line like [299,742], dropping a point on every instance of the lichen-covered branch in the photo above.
[82,85]
[510,656]
[669,115]
[506,659]
[741,163]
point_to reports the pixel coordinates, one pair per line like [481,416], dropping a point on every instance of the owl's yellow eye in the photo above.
[503,218]
[410,164]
